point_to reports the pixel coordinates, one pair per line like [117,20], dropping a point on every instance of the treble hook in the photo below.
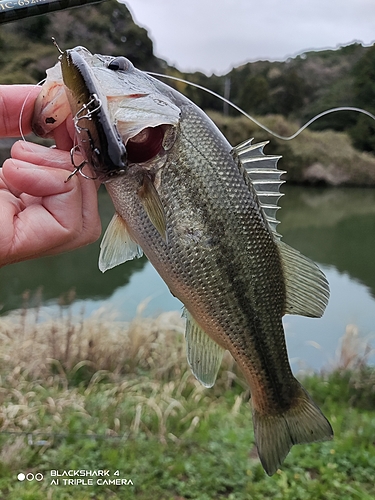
[86,109]
[78,169]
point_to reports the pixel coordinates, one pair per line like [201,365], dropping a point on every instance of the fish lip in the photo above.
[104,147]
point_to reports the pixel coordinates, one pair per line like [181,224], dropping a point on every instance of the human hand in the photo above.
[40,213]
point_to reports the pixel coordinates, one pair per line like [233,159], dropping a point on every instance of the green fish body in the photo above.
[203,213]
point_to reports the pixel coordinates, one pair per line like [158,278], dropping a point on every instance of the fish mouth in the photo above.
[120,115]
[98,137]
[147,144]
[112,142]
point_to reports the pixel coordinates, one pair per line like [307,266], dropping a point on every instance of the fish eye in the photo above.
[119,64]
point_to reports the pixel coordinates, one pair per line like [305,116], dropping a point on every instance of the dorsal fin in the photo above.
[265,177]
[307,289]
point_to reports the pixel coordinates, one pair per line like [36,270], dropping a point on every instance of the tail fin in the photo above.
[276,434]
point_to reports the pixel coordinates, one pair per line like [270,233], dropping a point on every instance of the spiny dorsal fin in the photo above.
[265,177]
[203,354]
[307,289]
[117,246]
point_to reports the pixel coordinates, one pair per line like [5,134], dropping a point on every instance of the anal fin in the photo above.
[117,246]
[204,354]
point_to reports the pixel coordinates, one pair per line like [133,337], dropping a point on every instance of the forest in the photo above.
[296,89]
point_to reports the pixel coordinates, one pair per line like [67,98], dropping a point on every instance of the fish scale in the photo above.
[203,289]
[168,259]
[204,214]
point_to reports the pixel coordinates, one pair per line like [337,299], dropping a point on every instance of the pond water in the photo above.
[333,226]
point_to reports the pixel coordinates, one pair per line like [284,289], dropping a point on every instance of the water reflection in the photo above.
[76,270]
[334,227]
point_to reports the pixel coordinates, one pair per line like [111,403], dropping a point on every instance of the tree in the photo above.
[254,95]
[289,92]
[363,132]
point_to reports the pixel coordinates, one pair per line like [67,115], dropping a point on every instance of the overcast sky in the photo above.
[215,35]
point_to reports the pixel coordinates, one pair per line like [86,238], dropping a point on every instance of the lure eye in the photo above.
[119,64]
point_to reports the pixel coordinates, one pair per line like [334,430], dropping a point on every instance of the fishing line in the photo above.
[23,109]
[254,120]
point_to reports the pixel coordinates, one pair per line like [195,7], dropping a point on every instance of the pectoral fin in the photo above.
[203,354]
[117,246]
[151,202]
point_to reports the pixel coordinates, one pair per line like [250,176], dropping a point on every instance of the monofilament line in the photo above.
[22,135]
[254,120]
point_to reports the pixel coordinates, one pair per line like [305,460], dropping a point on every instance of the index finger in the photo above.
[15,99]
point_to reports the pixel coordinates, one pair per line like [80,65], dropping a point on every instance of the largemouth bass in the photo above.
[204,213]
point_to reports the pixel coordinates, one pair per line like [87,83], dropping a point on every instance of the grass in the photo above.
[96,394]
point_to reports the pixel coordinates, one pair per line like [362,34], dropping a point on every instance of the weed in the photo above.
[89,394]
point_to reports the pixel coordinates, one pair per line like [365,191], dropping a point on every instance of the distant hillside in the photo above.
[324,157]
[302,87]
[297,89]
[106,28]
